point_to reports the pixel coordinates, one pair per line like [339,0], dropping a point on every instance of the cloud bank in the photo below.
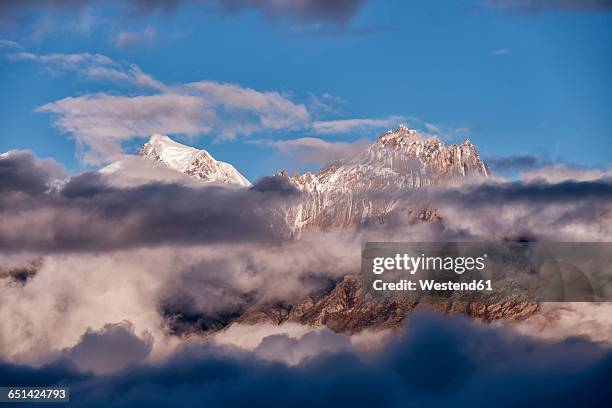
[177,258]
[89,214]
[434,362]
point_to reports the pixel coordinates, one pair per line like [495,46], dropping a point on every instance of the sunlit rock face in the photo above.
[344,310]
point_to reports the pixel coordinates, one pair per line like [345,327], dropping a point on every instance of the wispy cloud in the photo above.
[342,126]
[314,150]
[442,131]
[126,39]
[338,30]
[94,67]
[325,103]
[101,122]
[501,51]
[8,44]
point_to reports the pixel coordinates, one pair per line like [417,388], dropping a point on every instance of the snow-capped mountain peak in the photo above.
[343,192]
[403,158]
[446,161]
[189,160]
[401,135]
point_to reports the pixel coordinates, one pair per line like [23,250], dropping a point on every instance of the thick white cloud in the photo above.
[249,337]
[281,347]
[74,289]
[101,121]
[272,110]
[562,320]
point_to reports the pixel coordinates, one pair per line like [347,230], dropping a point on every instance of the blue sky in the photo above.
[517,80]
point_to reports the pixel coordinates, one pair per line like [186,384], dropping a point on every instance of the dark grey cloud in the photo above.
[110,349]
[334,11]
[339,11]
[515,163]
[436,362]
[536,193]
[569,210]
[531,165]
[277,184]
[547,5]
[87,214]
[21,171]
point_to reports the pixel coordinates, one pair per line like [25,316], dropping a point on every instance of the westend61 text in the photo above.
[431,285]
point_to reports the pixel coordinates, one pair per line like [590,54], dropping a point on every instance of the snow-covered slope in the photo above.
[364,188]
[403,159]
[189,160]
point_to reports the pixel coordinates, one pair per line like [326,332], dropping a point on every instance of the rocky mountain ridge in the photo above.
[365,188]
[344,310]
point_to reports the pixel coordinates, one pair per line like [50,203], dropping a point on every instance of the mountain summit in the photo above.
[402,159]
[446,161]
[347,192]
[189,160]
